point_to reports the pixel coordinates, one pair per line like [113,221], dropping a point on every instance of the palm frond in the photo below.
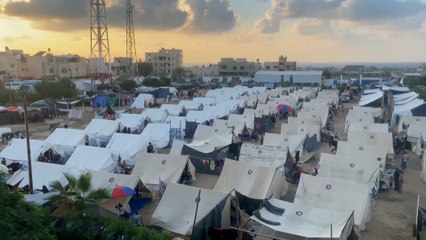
[97,195]
[84,182]
[72,181]
[57,186]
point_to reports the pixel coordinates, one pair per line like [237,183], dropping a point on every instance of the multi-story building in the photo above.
[165,61]
[238,67]
[211,70]
[421,69]
[282,65]
[121,65]
[15,65]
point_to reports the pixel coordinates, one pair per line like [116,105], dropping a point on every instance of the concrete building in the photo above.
[121,65]
[211,70]
[15,65]
[294,78]
[281,65]
[422,69]
[238,67]
[165,61]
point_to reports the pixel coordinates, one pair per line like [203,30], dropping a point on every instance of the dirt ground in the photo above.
[393,214]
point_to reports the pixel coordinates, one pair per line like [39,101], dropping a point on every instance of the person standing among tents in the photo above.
[150,148]
[400,180]
[396,179]
[404,161]
[66,123]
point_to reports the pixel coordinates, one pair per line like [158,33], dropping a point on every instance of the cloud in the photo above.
[161,15]
[310,26]
[211,16]
[10,39]
[375,12]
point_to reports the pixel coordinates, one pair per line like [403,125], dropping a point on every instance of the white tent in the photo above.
[100,131]
[238,127]
[5,130]
[190,105]
[363,151]
[415,130]
[205,101]
[176,210]
[126,146]
[348,168]
[172,109]
[407,120]
[375,111]
[158,133]
[369,127]
[372,138]
[247,119]
[16,151]
[106,180]
[132,121]
[367,99]
[332,194]
[177,147]
[293,142]
[43,175]
[198,116]
[251,181]
[90,158]
[169,168]
[177,122]
[314,114]
[294,221]
[263,156]
[208,139]
[155,115]
[64,140]
[218,111]
[141,99]
[365,118]
[296,126]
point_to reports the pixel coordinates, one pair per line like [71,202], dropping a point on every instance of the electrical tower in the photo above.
[99,43]
[130,37]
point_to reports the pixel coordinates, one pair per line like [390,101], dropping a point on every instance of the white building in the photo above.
[165,60]
[238,67]
[281,65]
[211,70]
[421,69]
[297,78]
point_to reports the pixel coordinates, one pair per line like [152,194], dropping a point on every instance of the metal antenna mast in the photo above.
[99,43]
[130,37]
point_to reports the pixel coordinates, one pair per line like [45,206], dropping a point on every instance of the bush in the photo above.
[155,82]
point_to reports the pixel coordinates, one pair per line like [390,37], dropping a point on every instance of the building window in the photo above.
[12,65]
[242,67]
[235,68]
[223,67]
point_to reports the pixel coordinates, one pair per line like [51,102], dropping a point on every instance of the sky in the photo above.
[207,30]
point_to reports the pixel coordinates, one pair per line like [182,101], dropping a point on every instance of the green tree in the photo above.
[156,82]
[326,74]
[78,193]
[145,69]
[19,219]
[127,85]
[179,73]
[56,90]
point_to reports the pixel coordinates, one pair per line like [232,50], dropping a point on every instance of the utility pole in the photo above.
[130,38]
[27,133]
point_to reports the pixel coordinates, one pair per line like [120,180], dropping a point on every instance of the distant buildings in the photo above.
[281,65]
[211,70]
[422,69]
[294,78]
[16,65]
[165,61]
[238,67]
[121,65]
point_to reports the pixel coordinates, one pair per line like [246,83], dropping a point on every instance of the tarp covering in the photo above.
[332,194]
[150,168]
[263,156]
[304,221]
[158,133]
[172,109]
[100,131]
[126,146]
[371,99]
[180,219]
[105,180]
[16,151]
[132,121]
[63,141]
[43,175]
[90,158]
[208,139]
[251,181]
[293,142]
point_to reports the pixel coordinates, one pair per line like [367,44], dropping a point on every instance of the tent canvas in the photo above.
[105,180]
[180,219]
[365,118]
[415,130]
[132,121]
[141,99]
[155,115]
[43,175]
[247,119]
[369,127]
[263,156]
[177,122]
[423,171]
[100,131]
[251,181]
[296,126]
[171,109]
[238,127]
[90,158]
[189,105]
[169,168]
[333,194]
[5,130]
[372,138]
[363,152]
[15,151]
[293,142]
[158,133]
[305,222]
[126,146]
[208,139]
[64,140]
[205,101]
[349,169]
[177,146]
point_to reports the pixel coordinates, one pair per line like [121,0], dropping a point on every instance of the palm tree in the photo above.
[78,194]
